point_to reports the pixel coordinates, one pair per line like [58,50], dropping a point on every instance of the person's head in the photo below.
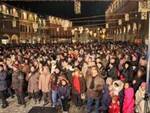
[26,61]
[77,72]
[99,65]
[64,64]
[140,72]
[127,85]
[40,65]
[94,71]
[126,65]
[115,99]
[134,57]
[32,69]
[89,59]
[49,62]
[143,86]
[112,60]
[109,81]
[63,82]
[45,69]
[57,71]
[15,67]
[1,68]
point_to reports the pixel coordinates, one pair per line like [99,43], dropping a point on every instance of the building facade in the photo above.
[125,22]
[22,26]
[87,34]
[9,22]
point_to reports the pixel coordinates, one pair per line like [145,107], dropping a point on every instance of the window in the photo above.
[4,9]
[24,15]
[14,12]
[30,17]
[0,8]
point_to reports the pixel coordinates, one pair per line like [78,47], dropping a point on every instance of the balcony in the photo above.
[115,6]
[4,9]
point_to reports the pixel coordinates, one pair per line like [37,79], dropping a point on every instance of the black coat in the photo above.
[9,77]
[128,74]
[3,82]
[138,83]
[18,81]
[112,73]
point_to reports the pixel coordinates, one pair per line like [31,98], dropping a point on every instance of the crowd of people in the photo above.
[106,77]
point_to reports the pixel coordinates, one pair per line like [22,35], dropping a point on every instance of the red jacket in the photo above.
[114,107]
[76,84]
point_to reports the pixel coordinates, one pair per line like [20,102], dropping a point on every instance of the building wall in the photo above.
[30,27]
[116,11]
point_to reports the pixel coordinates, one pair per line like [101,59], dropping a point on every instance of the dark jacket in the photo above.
[18,81]
[106,98]
[138,83]
[9,77]
[112,73]
[127,73]
[3,82]
[64,91]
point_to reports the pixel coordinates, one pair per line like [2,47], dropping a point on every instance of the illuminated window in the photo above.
[14,12]
[0,8]
[24,16]
[30,17]
[44,23]
[4,9]
[35,17]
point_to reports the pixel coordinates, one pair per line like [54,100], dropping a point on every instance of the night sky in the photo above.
[66,9]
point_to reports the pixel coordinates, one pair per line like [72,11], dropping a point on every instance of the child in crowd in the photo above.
[114,106]
[128,103]
[63,94]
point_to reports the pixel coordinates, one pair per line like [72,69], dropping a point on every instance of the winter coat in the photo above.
[45,82]
[139,100]
[128,104]
[54,80]
[127,73]
[3,82]
[68,75]
[106,98]
[114,107]
[113,73]
[18,81]
[64,91]
[82,85]
[121,99]
[33,82]
[84,69]
[138,83]
[99,83]
[9,77]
